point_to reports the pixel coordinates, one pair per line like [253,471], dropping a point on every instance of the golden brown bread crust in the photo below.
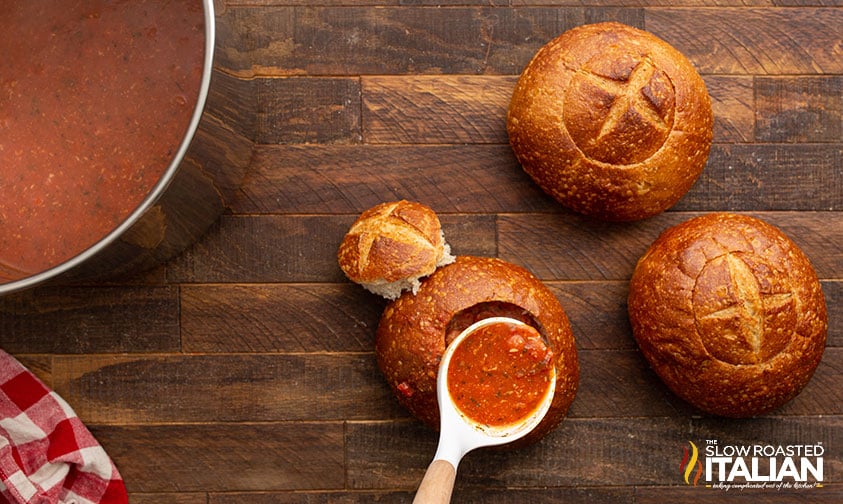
[729,313]
[391,242]
[413,330]
[611,121]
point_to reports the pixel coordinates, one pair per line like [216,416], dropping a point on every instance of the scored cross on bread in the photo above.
[611,121]
[391,246]
[729,312]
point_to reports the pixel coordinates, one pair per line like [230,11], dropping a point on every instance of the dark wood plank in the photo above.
[282,248]
[621,384]
[614,382]
[590,495]
[769,177]
[218,154]
[597,312]
[599,4]
[823,394]
[487,178]
[307,110]
[280,318]
[406,40]
[360,40]
[226,388]
[753,41]
[311,497]
[828,494]
[833,291]
[733,105]
[211,457]
[280,388]
[799,109]
[232,102]
[603,452]
[170,498]
[436,109]
[275,3]
[264,248]
[80,320]
[348,179]
[568,247]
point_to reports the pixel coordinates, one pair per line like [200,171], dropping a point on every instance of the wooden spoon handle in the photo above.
[437,484]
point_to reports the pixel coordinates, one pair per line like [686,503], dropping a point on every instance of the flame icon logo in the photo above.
[690,461]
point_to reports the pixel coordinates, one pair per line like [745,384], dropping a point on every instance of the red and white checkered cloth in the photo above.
[47,455]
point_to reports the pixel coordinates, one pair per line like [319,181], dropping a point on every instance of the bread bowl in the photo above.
[414,330]
[391,246]
[611,121]
[729,313]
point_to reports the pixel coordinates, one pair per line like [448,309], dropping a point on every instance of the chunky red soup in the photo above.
[95,99]
[500,373]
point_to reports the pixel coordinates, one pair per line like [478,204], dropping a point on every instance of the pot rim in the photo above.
[157,190]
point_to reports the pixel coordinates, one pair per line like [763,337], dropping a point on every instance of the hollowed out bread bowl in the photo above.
[414,330]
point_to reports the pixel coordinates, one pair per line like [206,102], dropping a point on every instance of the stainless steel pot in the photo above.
[190,196]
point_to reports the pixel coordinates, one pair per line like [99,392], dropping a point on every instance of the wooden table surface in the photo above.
[243,370]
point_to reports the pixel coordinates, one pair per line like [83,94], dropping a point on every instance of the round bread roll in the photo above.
[414,331]
[611,121]
[729,313]
[391,246]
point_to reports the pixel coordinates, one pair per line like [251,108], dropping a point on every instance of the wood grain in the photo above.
[733,105]
[597,312]
[770,177]
[307,110]
[432,109]
[436,109]
[388,40]
[224,388]
[800,109]
[226,457]
[753,41]
[172,498]
[90,320]
[486,495]
[553,246]
[281,318]
[469,179]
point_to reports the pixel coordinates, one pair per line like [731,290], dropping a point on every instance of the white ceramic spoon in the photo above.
[459,434]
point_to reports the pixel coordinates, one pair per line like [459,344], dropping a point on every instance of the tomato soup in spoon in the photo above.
[500,374]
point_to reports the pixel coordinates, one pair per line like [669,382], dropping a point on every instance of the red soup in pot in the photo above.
[96,98]
[500,373]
